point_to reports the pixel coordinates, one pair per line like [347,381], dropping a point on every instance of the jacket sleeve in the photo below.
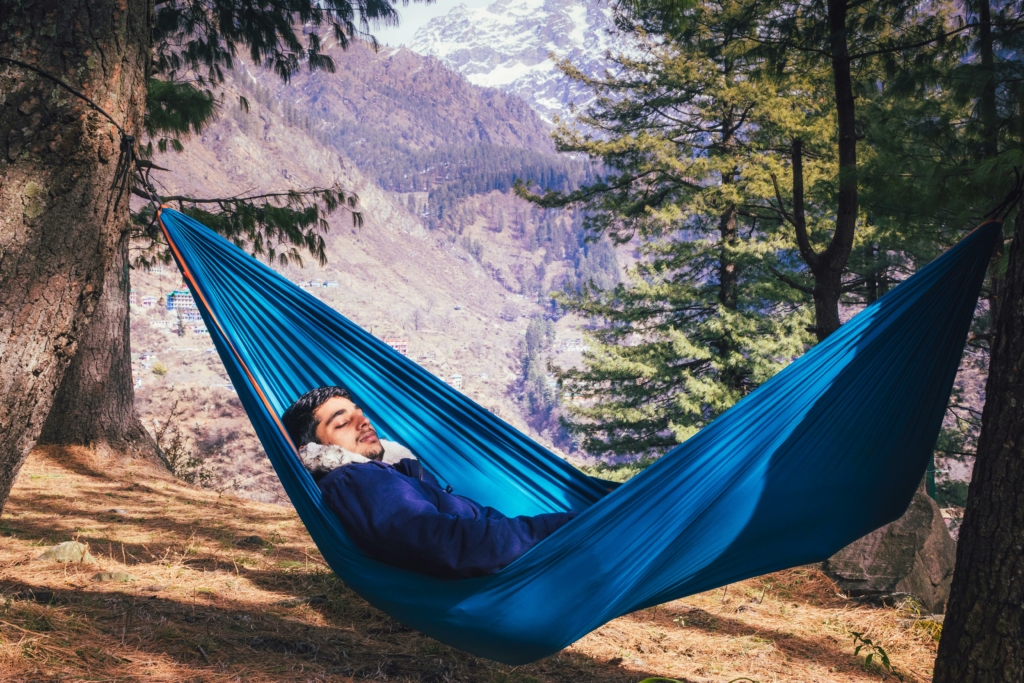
[392,521]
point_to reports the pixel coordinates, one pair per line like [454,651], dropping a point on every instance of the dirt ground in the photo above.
[226,589]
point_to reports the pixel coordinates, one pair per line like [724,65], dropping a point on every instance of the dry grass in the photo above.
[204,607]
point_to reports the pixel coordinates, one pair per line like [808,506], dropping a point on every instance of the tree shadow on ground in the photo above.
[290,614]
[204,623]
[227,635]
[185,543]
[793,646]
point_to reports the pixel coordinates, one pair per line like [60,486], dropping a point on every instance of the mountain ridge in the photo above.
[456,272]
[509,45]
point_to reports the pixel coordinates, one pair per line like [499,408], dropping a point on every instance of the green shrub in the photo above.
[949,493]
[621,472]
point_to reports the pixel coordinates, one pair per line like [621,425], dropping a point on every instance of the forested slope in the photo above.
[461,280]
[414,125]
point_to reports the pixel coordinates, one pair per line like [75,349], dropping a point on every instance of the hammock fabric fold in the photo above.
[829,449]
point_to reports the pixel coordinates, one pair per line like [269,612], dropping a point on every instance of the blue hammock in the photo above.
[826,451]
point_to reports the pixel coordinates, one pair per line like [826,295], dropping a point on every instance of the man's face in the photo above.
[342,423]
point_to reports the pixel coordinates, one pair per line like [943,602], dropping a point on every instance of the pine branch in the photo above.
[781,209]
[928,41]
[789,281]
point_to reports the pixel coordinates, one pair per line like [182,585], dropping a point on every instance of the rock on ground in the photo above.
[121,577]
[69,551]
[912,556]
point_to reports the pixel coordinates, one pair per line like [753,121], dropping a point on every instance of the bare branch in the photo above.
[799,221]
[247,198]
[778,198]
[790,281]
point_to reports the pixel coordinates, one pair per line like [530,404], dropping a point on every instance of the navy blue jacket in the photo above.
[400,515]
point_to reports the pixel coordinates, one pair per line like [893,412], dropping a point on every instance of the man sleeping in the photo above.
[393,509]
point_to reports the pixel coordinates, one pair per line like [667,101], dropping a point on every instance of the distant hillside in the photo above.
[413,124]
[447,151]
[461,281]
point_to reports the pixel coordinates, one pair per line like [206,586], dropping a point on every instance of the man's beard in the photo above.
[376,453]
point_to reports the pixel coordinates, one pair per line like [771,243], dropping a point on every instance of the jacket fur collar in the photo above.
[321,459]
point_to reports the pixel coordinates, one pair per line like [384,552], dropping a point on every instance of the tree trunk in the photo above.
[728,228]
[988,110]
[728,273]
[828,285]
[60,215]
[95,404]
[832,263]
[988,114]
[983,633]
[728,269]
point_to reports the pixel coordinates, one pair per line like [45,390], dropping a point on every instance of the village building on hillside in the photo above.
[456,382]
[181,301]
[400,345]
[149,301]
[573,344]
[132,298]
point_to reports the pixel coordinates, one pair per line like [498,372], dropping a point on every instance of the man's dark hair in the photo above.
[300,420]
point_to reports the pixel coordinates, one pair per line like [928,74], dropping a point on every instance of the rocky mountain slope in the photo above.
[509,45]
[458,272]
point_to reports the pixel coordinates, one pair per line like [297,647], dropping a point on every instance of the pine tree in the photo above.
[946,142]
[63,199]
[984,629]
[846,47]
[703,317]
[734,137]
[75,167]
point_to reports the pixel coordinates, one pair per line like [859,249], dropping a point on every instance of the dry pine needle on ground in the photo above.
[225,589]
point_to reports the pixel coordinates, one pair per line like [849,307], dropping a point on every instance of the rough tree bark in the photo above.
[95,404]
[60,218]
[988,115]
[983,633]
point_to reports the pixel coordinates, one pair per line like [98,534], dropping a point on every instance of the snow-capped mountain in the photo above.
[508,45]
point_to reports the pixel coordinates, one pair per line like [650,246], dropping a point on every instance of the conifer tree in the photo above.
[946,140]
[779,181]
[704,317]
[846,45]
[966,160]
[75,165]
[95,403]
